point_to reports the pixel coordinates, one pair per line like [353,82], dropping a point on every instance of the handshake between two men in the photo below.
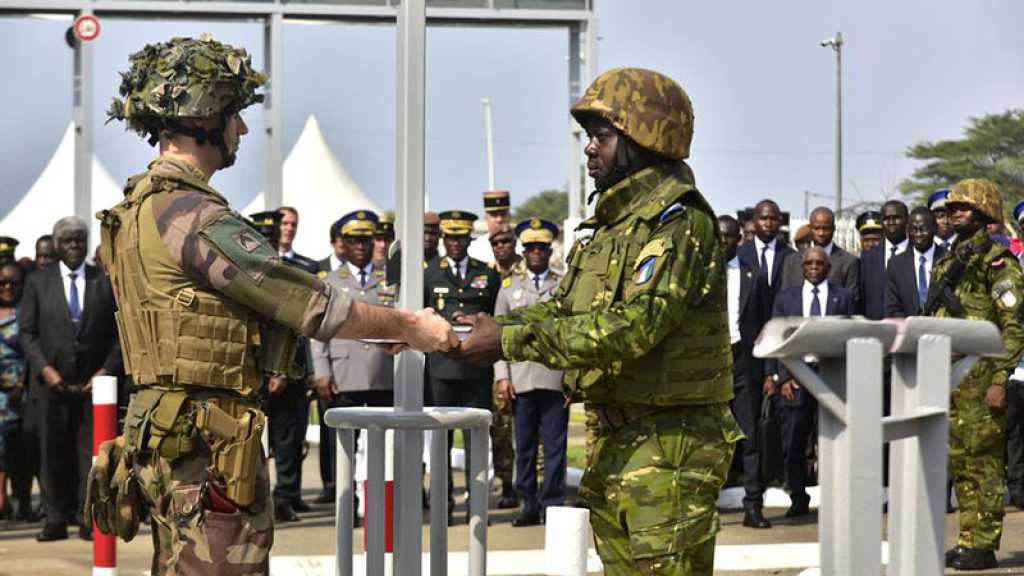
[427,331]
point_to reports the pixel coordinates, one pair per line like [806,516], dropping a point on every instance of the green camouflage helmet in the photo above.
[184,78]
[982,195]
[645,105]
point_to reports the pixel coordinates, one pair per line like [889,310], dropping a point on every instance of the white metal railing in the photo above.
[377,421]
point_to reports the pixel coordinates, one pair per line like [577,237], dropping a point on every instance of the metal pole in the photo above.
[375,502]
[273,185]
[589,70]
[479,448]
[82,109]
[409,192]
[344,506]
[839,122]
[490,142]
[575,188]
[439,503]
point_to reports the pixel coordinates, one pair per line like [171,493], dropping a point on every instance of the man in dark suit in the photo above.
[845,269]
[909,273]
[767,254]
[815,297]
[454,285]
[69,336]
[746,292]
[874,262]
[945,235]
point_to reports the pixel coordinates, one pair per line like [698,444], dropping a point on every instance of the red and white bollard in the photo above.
[104,427]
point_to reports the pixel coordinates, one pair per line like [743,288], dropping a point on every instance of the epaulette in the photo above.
[443,263]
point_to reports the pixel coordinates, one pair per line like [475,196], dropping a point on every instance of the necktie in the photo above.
[922,281]
[74,306]
[362,278]
[892,251]
[815,302]
[764,264]
[536,282]
[945,245]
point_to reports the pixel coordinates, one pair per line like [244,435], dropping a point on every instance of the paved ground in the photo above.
[738,547]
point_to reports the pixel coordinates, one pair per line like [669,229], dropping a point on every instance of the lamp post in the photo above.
[490,142]
[836,44]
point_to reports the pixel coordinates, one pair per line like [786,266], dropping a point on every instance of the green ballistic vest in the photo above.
[692,364]
[175,334]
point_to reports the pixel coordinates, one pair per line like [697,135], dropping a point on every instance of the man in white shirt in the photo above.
[497,215]
[288,229]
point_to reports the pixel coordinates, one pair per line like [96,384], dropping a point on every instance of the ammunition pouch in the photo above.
[277,350]
[157,422]
[113,498]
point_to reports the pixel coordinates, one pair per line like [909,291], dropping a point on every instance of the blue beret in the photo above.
[938,199]
[1018,211]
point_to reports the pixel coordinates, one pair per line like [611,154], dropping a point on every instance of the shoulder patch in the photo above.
[654,248]
[671,212]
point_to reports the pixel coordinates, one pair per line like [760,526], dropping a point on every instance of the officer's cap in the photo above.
[7,245]
[870,221]
[359,223]
[497,201]
[457,222]
[937,200]
[536,230]
[385,225]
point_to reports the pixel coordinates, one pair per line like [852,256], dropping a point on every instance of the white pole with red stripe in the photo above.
[104,427]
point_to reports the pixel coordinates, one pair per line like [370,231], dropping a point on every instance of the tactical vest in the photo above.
[691,365]
[174,333]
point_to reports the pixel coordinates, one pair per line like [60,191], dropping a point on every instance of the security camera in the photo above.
[827,42]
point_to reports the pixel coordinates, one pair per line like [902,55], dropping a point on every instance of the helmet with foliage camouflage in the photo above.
[184,78]
[979,193]
[645,105]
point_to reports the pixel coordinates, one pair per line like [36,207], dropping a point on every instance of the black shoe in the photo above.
[26,514]
[754,518]
[525,519]
[283,512]
[85,533]
[799,507]
[1017,502]
[975,559]
[508,498]
[52,533]
[952,554]
[324,497]
[299,505]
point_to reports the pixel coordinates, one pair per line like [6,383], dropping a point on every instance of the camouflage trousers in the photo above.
[976,459]
[501,440]
[190,540]
[651,488]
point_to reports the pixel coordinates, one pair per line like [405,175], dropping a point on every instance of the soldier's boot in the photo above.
[975,559]
[952,554]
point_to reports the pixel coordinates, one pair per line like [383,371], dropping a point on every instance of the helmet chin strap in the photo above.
[202,136]
[629,158]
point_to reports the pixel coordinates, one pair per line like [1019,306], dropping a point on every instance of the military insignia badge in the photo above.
[645,271]
[322,274]
[1004,294]
[506,282]
[247,241]
[479,282]
[1009,299]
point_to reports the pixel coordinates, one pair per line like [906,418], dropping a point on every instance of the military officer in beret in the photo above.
[349,372]
[541,412]
[7,247]
[286,402]
[497,214]
[869,226]
[454,285]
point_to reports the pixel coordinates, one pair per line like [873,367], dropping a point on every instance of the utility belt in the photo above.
[172,423]
[612,418]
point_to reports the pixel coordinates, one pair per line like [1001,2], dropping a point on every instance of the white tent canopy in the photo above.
[318,186]
[53,196]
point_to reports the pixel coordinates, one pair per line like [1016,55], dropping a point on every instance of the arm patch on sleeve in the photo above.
[671,212]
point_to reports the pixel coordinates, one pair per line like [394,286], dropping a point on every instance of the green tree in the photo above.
[992,148]
[550,205]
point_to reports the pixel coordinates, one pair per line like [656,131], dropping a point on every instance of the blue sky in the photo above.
[763,92]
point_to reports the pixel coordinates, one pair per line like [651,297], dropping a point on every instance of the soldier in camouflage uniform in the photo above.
[206,306]
[640,321]
[979,280]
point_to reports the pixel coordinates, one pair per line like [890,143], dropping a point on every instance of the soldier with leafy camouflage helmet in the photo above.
[979,279]
[206,307]
[640,324]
